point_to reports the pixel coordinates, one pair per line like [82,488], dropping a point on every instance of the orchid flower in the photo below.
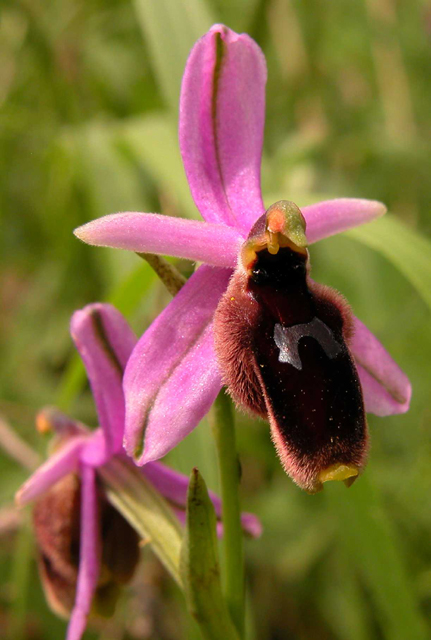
[76,528]
[174,373]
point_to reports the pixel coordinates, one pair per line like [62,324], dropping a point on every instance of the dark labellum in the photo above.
[56,521]
[282,344]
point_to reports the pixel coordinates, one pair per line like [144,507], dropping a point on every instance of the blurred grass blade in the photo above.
[20,579]
[71,383]
[153,140]
[126,296]
[146,510]
[109,178]
[238,14]
[171,27]
[344,603]
[200,570]
[409,251]
[373,547]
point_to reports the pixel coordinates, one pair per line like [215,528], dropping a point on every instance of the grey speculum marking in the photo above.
[287,340]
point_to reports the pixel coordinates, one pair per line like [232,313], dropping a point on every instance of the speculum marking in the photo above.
[287,340]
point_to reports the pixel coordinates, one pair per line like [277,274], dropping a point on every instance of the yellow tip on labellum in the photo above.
[345,472]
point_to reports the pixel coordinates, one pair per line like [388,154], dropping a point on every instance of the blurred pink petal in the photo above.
[215,244]
[65,461]
[105,342]
[386,388]
[329,217]
[96,451]
[250,523]
[222,114]
[173,486]
[162,348]
[89,554]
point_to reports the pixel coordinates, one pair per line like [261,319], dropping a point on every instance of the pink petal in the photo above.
[250,523]
[327,218]
[56,467]
[386,388]
[89,555]
[173,486]
[96,452]
[105,342]
[222,111]
[214,244]
[183,400]
[162,348]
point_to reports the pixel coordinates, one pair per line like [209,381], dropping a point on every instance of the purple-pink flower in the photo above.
[105,342]
[172,377]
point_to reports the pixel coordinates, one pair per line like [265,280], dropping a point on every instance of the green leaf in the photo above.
[409,251]
[200,570]
[376,555]
[171,28]
[146,510]
[126,296]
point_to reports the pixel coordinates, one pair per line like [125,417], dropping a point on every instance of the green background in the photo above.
[88,126]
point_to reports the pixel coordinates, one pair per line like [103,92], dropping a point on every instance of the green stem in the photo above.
[168,274]
[229,469]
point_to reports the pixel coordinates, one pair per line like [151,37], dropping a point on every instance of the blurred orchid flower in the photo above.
[174,375]
[76,528]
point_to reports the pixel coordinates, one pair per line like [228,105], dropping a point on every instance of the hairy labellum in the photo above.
[282,344]
[56,521]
